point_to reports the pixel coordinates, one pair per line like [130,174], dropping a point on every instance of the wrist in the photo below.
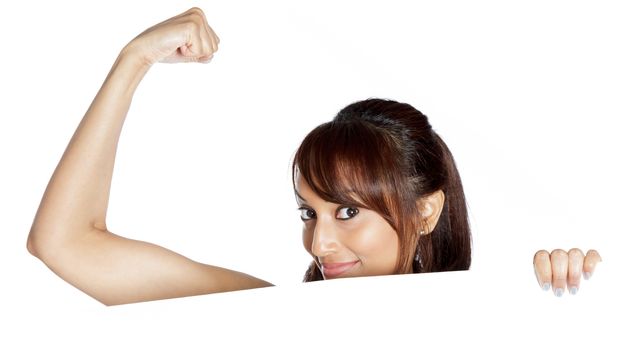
[127,71]
[130,54]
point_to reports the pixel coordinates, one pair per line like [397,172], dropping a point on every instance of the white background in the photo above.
[527,96]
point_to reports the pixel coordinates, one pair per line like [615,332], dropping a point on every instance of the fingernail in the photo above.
[559,292]
[587,275]
[573,290]
[546,286]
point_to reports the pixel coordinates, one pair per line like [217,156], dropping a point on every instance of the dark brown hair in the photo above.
[383,155]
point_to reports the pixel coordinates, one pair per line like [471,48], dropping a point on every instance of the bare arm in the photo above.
[69,232]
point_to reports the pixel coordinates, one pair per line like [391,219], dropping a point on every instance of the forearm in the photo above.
[76,198]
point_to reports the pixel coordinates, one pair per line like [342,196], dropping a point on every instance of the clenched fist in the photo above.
[184,38]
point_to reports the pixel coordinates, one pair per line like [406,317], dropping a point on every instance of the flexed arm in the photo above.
[69,232]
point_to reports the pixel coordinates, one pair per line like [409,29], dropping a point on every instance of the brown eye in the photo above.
[346,213]
[306,214]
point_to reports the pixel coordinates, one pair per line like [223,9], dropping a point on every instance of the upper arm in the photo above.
[118,270]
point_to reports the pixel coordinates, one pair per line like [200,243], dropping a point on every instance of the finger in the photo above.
[213,39]
[210,33]
[201,37]
[186,50]
[559,266]
[203,31]
[190,52]
[196,42]
[193,46]
[542,267]
[575,268]
[205,59]
[589,263]
[217,38]
[206,46]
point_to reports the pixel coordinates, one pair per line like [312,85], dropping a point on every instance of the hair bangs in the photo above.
[350,163]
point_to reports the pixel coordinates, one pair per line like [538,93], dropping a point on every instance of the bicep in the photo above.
[118,270]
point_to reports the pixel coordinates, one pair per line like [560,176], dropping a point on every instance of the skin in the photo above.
[560,269]
[333,234]
[69,232]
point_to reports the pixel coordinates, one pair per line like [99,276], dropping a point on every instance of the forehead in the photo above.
[301,187]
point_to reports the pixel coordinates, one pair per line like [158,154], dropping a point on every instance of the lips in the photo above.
[332,270]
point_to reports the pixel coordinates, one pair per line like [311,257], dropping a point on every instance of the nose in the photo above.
[325,240]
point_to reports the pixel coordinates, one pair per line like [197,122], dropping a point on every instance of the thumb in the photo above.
[186,51]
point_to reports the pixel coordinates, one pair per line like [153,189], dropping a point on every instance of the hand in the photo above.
[184,38]
[560,269]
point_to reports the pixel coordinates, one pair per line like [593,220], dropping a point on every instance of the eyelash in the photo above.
[312,216]
[302,214]
[354,209]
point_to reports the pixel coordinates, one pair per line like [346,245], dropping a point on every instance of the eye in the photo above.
[346,213]
[306,214]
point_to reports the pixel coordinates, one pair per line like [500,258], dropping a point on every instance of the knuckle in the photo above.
[574,274]
[197,16]
[193,25]
[589,267]
[207,48]
[196,10]
[575,252]
[541,255]
[589,264]
[593,253]
[559,253]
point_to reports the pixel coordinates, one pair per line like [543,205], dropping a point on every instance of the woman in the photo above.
[396,185]
[377,188]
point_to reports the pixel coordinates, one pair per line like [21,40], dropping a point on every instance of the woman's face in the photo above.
[345,241]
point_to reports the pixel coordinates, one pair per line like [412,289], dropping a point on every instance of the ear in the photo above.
[431,208]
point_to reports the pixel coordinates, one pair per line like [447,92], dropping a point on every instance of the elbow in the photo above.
[31,244]
[43,241]
[38,244]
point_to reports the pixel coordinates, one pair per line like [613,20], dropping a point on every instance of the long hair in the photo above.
[384,155]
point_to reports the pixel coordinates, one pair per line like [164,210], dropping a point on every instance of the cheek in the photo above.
[377,245]
[307,237]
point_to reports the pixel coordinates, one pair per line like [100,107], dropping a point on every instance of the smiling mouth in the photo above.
[332,270]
